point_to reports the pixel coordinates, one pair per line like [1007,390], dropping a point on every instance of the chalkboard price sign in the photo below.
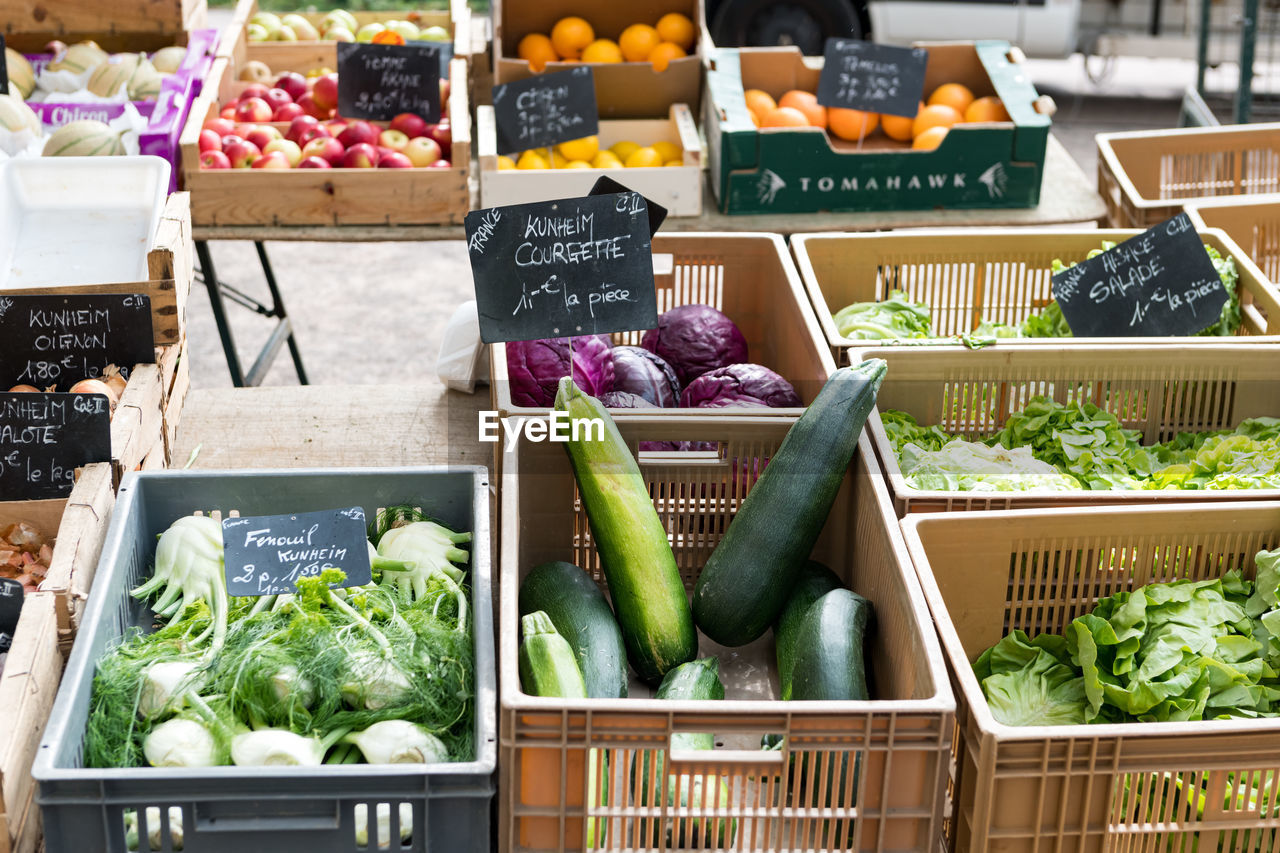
[545,109]
[606,185]
[577,266]
[11,595]
[380,81]
[879,78]
[1160,283]
[45,437]
[59,340]
[267,554]
[4,69]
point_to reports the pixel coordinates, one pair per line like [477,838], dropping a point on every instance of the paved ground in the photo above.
[375,313]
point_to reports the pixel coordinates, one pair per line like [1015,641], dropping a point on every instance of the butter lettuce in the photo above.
[895,317]
[963,465]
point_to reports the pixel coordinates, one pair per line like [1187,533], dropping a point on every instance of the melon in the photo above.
[21,76]
[144,85]
[16,116]
[167,60]
[79,58]
[84,138]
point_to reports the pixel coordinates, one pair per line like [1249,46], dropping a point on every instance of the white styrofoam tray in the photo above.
[79,220]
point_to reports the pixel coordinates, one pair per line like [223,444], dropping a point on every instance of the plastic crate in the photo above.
[1253,222]
[1158,390]
[1146,177]
[902,737]
[233,809]
[752,279]
[969,275]
[1089,788]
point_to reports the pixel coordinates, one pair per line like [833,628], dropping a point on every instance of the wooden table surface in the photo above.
[1066,196]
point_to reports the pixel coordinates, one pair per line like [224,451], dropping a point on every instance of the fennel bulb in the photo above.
[398,742]
[181,743]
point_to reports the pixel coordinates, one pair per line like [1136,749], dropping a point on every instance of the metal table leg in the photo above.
[210,276]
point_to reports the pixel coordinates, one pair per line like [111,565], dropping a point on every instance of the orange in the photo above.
[570,36]
[676,28]
[387,37]
[953,95]
[807,104]
[638,41]
[934,115]
[663,54]
[784,117]
[989,108]
[602,50]
[898,127]
[930,139]
[537,50]
[759,102]
[643,157]
[851,125]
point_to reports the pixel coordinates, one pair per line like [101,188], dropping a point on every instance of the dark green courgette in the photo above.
[815,581]
[745,582]
[584,618]
[546,662]
[829,649]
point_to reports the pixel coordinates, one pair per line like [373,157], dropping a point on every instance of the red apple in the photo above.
[287,147]
[299,124]
[244,128]
[422,151]
[357,132]
[253,109]
[325,91]
[409,124]
[393,139]
[228,113]
[263,136]
[277,98]
[286,112]
[314,163]
[335,126]
[441,164]
[253,90]
[241,153]
[444,93]
[442,133]
[362,155]
[311,133]
[394,160]
[293,83]
[230,139]
[220,126]
[274,160]
[326,148]
[214,160]
[383,151]
[311,108]
[210,141]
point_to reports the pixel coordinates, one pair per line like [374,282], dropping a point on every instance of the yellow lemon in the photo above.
[622,150]
[674,163]
[668,150]
[643,157]
[505,162]
[575,164]
[580,149]
[606,160]
[530,160]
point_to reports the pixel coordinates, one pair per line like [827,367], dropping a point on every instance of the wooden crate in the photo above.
[1252,221]
[678,189]
[73,20]
[1146,177]
[326,196]
[175,378]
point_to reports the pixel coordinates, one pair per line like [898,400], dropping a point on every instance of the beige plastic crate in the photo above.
[1095,787]
[1145,177]
[1159,391]
[1253,222]
[966,275]
[751,278]
[903,735]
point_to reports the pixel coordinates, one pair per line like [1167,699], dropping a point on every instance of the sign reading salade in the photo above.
[267,554]
[380,81]
[58,340]
[878,78]
[1157,284]
[545,109]
[45,437]
[555,269]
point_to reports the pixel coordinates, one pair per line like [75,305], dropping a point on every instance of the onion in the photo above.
[24,389]
[96,386]
[113,378]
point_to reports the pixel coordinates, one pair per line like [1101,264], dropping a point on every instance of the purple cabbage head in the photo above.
[535,368]
[640,372]
[695,339]
[739,385]
[624,400]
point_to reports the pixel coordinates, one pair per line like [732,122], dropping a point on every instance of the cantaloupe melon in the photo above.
[116,72]
[168,59]
[21,77]
[84,138]
[144,85]
[16,116]
[79,58]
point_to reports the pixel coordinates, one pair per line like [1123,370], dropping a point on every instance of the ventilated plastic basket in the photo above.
[1087,788]
[1159,391]
[901,739]
[278,809]
[1253,222]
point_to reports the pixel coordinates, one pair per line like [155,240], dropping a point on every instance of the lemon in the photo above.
[622,150]
[668,150]
[531,160]
[575,164]
[643,157]
[674,163]
[580,149]
[505,162]
[606,160]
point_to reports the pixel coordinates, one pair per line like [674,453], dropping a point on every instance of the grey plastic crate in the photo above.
[284,810]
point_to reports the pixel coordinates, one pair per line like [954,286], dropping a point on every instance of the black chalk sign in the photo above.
[606,185]
[45,437]
[11,596]
[878,78]
[4,69]
[555,269]
[1157,284]
[545,109]
[59,340]
[267,554]
[380,81]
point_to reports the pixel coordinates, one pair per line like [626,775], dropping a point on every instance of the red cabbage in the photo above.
[624,400]
[695,339]
[640,372]
[739,385]
[535,368]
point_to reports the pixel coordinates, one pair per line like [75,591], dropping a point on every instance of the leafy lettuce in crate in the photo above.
[535,368]
[894,318]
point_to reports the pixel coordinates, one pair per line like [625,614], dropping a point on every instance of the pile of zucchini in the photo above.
[759,577]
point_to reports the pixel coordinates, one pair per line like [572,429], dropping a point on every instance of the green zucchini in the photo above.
[639,567]
[696,680]
[547,665]
[829,657]
[745,582]
[815,581]
[584,618]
